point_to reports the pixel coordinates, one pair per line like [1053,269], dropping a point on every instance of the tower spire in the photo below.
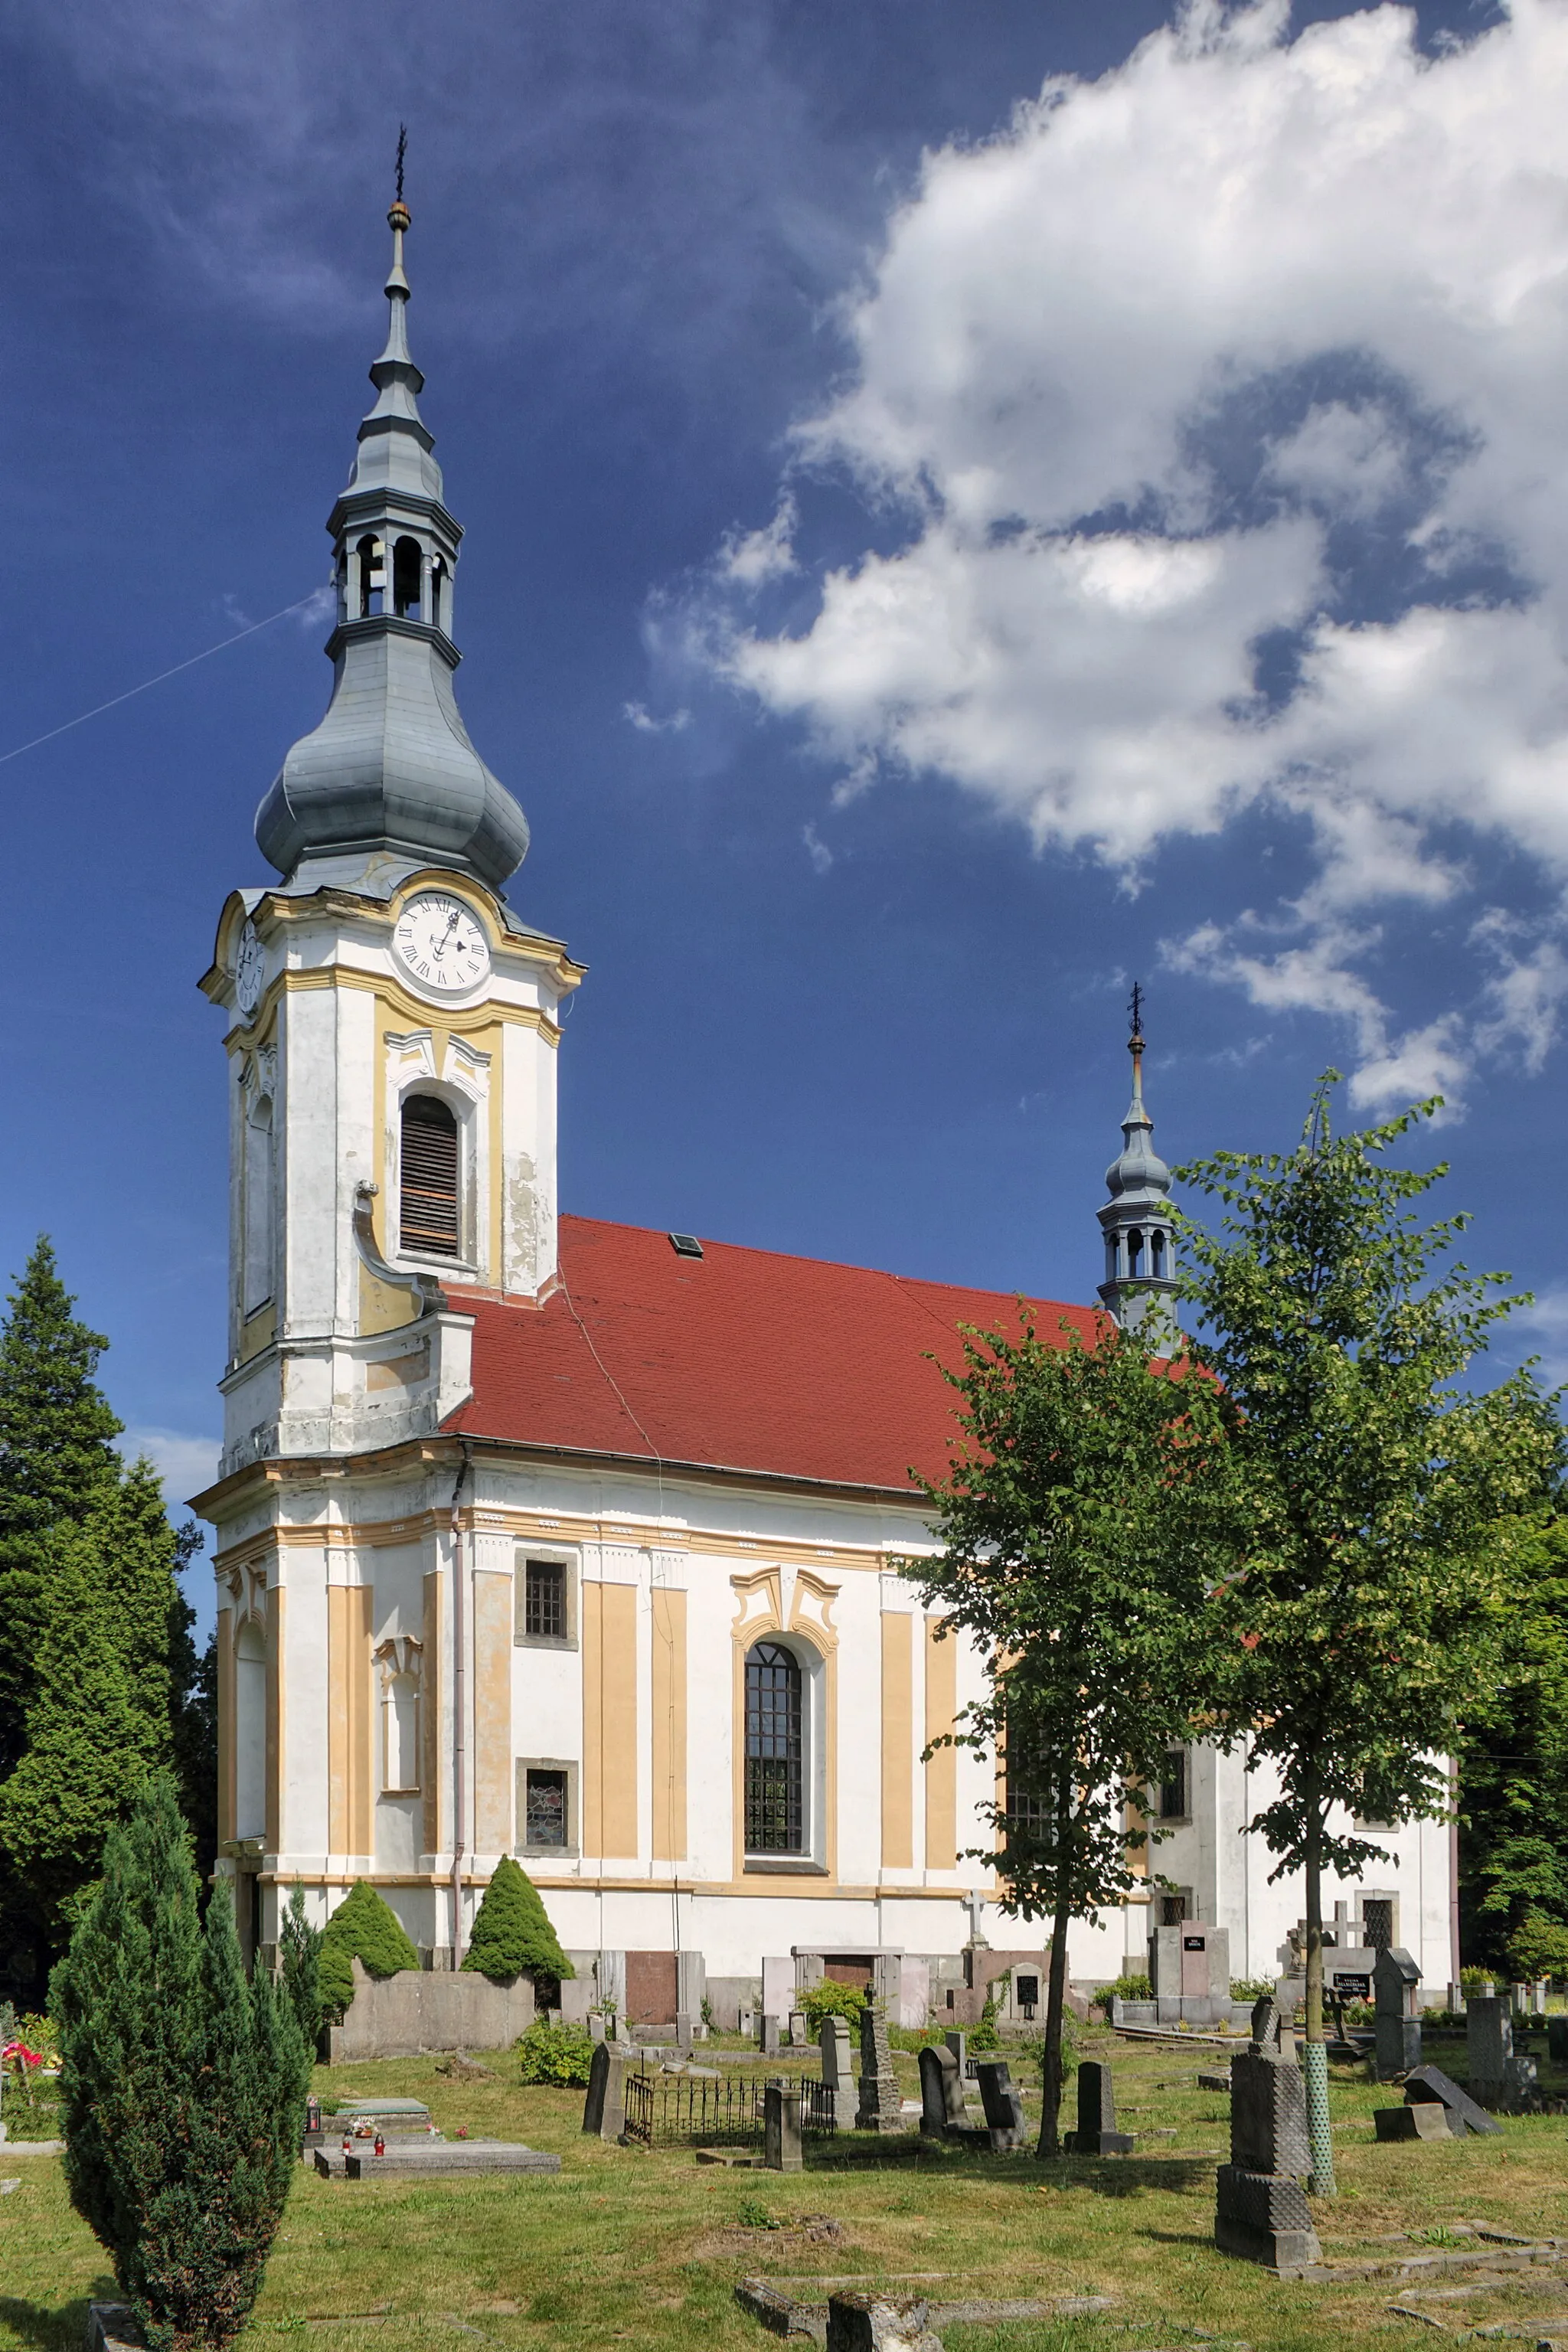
[389,781]
[1136,1219]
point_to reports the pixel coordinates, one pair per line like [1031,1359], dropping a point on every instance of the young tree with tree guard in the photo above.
[1387,1511]
[1078,1524]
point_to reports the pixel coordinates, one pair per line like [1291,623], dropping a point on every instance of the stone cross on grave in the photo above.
[975,1903]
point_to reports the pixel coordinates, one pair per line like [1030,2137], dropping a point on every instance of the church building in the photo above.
[576,1541]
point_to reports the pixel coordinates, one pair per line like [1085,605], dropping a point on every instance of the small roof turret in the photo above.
[389,780]
[1136,1220]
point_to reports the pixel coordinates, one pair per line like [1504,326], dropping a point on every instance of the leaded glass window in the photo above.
[775,1819]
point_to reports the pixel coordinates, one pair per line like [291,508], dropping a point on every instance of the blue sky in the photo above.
[928,564]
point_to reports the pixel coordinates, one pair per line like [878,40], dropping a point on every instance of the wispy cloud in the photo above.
[1216,406]
[184,1461]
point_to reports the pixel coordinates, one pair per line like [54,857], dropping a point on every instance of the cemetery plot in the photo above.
[698,2111]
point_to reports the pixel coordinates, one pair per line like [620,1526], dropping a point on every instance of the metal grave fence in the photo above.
[705,2111]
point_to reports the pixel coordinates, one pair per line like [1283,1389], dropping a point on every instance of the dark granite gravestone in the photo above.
[1003,2107]
[1557,2040]
[604,2108]
[781,2129]
[941,2091]
[880,2107]
[1395,1980]
[1261,2210]
[1424,2083]
[1096,2134]
[1489,2038]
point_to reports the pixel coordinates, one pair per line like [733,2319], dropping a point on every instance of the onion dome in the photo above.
[391,770]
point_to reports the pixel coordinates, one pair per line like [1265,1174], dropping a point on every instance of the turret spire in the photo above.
[389,780]
[1136,1220]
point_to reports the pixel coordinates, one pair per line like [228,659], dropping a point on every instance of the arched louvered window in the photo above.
[775,1815]
[407,559]
[427,1211]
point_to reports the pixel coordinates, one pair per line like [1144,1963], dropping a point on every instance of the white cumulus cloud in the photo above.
[1221,404]
[184,1462]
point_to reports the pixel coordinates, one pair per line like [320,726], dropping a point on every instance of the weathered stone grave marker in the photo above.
[1003,2107]
[881,2106]
[1426,2084]
[1395,1981]
[836,2073]
[942,2092]
[1096,2134]
[879,2322]
[1261,2210]
[781,2149]
[1489,2038]
[604,2108]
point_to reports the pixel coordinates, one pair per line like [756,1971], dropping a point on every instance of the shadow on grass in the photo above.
[54,2327]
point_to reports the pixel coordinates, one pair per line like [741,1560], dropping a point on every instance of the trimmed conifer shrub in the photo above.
[300,1950]
[362,1929]
[181,2086]
[512,1934]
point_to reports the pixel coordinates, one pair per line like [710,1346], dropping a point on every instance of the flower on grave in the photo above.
[462,2131]
[18,2054]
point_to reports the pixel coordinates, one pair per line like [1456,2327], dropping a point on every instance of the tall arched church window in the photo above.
[406,559]
[259,1175]
[428,1204]
[776,1816]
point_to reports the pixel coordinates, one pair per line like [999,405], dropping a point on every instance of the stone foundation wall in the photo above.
[397,2017]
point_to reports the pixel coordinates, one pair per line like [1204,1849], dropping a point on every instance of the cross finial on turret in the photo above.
[401,152]
[1135,1008]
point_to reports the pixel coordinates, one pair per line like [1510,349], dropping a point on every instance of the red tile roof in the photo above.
[741,1359]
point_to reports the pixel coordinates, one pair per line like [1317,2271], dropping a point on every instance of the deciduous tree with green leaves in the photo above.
[1513,1781]
[1387,1510]
[1079,1525]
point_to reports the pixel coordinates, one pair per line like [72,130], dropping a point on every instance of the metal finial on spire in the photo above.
[1135,1008]
[401,152]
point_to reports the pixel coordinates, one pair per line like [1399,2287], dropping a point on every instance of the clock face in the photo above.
[248,967]
[441,945]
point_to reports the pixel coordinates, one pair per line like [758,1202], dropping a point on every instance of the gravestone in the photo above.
[1395,1981]
[1521,2085]
[1261,2210]
[799,2032]
[1428,2119]
[769,2036]
[1488,2036]
[941,2091]
[881,2107]
[836,2074]
[781,2129]
[604,2108]
[595,2026]
[1096,2134]
[1518,1999]
[1425,2084]
[1189,1969]
[958,2046]
[683,2030]
[878,2323]
[1557,2040]
[1003,2107]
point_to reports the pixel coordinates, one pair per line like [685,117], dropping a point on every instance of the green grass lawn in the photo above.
[646,2249]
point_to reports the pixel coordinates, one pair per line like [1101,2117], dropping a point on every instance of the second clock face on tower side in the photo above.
[440,945]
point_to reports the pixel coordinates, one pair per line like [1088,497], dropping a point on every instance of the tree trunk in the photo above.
[1316,2055]
[1056,1983]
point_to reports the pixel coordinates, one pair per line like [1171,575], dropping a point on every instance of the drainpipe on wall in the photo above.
[459,1713]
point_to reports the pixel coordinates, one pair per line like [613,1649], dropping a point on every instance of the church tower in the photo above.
[393,1025]
[1136,1221]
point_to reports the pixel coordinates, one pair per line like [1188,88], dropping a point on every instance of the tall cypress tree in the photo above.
[98,1716]
[182,2087]
[57,1459]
